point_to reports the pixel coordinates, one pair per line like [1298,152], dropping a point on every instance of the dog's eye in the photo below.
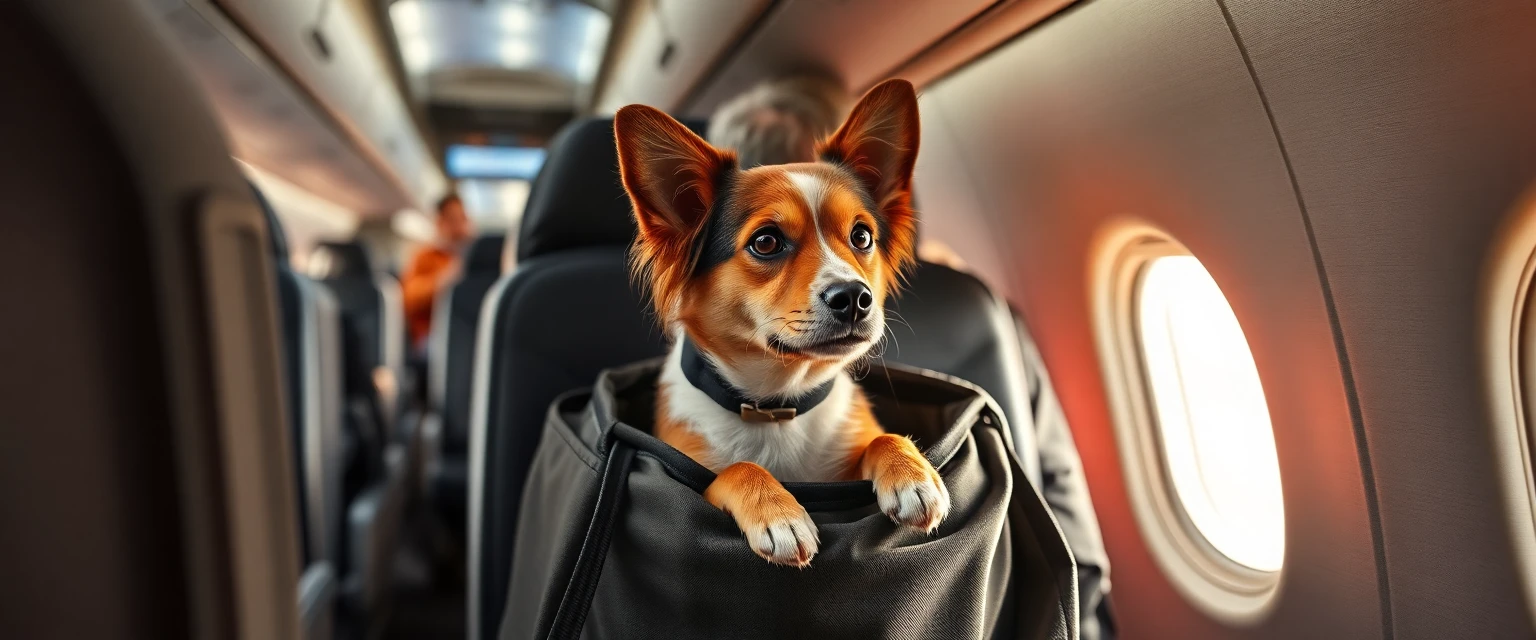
[861,238]
[766,243]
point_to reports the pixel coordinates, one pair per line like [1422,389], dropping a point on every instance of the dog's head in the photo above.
[793,261]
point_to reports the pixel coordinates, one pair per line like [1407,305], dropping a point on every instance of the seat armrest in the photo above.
[318,589]
[362,520]
[431,450]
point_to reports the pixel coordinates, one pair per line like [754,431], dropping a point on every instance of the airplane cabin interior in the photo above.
[323,318]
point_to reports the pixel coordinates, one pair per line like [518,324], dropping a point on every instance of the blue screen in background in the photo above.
[510,163]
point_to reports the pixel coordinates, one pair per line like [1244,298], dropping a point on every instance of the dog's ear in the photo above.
[671,175]
[878,143]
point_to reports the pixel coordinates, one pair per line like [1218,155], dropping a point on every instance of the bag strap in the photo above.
[571,615]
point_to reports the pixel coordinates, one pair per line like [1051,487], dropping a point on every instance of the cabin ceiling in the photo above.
[511,69]
[859,41]
[687,56]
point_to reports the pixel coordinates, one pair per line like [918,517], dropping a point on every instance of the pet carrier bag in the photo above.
[615,539]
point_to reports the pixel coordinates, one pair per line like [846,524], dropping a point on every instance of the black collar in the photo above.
[704,376]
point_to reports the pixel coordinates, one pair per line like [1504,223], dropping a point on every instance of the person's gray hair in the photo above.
[779,121]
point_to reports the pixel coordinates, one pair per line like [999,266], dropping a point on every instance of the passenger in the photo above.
[936,252]
[779,122]
[433,266]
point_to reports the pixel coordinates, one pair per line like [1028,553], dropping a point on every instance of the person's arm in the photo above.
[1066,491]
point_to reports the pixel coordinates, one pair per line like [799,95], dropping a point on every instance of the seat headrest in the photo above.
[346,260]
[278,241]
[578,199]
[484,254]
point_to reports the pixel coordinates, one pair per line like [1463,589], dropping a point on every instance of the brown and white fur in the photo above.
[759,309]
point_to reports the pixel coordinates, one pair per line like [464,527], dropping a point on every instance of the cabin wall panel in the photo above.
[1411,129]
[1118,110]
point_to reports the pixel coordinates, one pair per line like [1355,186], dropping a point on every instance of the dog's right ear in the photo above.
[670,173]
[671,176]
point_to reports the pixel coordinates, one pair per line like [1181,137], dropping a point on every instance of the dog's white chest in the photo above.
[813,447]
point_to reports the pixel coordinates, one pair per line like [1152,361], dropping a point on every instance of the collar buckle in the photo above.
[751,413]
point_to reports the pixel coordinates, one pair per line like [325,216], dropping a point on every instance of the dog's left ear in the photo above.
[671,175]
[878,143]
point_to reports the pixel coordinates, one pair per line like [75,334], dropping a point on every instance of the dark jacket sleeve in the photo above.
[1066,490]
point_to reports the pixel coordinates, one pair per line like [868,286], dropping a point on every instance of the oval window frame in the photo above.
[1210,580]
[1507,306]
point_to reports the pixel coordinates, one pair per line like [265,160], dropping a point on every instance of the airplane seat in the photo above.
[345,271]
[372,305]
[573,237]
[575,233]
[145,479]
[380,476]
[949,321]
[310,326]
[454,330]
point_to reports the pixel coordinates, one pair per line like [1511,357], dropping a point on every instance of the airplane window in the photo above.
[1209,411]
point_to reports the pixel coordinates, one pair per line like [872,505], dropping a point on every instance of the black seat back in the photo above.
[371,305]
[950,322]
[454,330]
[145,489]
[572,239]
[540,355]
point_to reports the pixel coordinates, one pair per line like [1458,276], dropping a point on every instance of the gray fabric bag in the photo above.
[615,541]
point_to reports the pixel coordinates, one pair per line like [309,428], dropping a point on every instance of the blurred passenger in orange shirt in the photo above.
[434,266]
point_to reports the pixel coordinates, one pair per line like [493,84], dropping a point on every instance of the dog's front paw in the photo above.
[787,538]
[921,504]
[907,487]
[777,528]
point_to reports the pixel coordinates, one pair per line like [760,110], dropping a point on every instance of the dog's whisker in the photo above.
[888,383]
[892,333]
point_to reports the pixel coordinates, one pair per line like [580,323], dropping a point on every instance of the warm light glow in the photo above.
[297,206]
[515,19]
[416,53]
[516,52]
[406,16]
[413,225]
[1211,414]
[306,218]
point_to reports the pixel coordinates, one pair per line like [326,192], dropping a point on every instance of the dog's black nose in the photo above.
[849,301]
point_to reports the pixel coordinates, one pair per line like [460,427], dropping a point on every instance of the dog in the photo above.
[772,282]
